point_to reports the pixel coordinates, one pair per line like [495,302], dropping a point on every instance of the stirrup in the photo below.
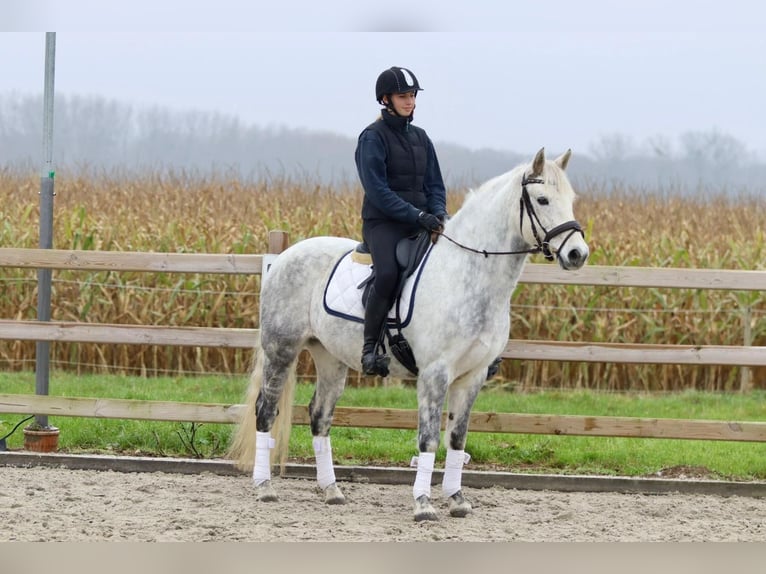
[375,364]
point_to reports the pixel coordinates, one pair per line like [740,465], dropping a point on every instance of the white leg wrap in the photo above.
[453,471]
[262,468]
[323,453]
[425,463]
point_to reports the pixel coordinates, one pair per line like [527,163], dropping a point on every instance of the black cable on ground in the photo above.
[13,430]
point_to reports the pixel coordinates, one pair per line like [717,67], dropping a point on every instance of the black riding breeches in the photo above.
[381,237]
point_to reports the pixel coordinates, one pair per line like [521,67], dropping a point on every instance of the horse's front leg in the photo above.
[462,395]
[432,389]
[331,380]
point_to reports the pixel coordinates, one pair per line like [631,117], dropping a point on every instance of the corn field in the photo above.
[179,212]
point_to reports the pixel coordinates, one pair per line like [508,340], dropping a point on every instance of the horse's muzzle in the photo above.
[569,256]
[573,258]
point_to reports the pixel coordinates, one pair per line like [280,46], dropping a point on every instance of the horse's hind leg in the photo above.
[331,380]
[462,395]
[278,364]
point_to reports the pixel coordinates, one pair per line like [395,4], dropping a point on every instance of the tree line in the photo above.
[92,132]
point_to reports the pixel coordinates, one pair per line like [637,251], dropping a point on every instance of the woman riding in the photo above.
[403,193]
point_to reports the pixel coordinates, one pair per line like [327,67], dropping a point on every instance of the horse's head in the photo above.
[547,215]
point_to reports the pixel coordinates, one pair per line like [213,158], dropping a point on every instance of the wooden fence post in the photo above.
[278,242]
[746,373]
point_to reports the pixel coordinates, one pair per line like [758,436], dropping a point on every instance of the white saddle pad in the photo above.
[343,295]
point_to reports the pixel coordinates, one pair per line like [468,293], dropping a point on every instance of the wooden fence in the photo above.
[384,418]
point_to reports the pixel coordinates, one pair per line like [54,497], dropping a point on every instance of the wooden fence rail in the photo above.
[384,418]
[604,275]
[530,350]
[253,264]
[573,425]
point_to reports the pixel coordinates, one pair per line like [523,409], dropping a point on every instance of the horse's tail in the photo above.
[283,424]
[242,449]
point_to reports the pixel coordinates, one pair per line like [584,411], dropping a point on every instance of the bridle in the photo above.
[542,245]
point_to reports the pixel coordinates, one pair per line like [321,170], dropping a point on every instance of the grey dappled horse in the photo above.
[460,323]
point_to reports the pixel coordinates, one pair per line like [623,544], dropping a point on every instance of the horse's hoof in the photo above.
[424,510]
[265,492]
[333,495]
[459,507]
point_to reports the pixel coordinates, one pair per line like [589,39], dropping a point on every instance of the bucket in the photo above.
[41,439]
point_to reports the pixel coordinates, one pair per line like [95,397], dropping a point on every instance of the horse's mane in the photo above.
[555,176]
[489,186]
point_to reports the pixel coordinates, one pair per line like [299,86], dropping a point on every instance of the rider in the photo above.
[403,193]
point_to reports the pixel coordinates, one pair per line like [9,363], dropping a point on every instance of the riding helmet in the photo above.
[395,80]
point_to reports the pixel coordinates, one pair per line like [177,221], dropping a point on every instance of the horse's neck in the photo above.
[489,218]
[489,221]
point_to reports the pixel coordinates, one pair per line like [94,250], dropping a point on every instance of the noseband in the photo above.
[543,245]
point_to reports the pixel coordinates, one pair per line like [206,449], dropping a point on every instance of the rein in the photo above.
[543,245]
[486,253]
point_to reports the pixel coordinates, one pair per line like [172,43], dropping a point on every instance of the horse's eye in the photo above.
[542,200]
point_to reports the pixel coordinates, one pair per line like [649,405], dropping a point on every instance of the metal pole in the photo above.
[42,358]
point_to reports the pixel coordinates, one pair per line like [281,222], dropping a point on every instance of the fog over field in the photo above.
[94,133]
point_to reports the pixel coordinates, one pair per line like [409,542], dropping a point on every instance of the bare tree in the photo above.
[714,149]
[660,146]
[612,147]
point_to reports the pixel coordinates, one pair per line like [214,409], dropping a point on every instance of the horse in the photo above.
[459,325]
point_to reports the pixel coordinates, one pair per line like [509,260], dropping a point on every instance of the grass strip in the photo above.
[502,451]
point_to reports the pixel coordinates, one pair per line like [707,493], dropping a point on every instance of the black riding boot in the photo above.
[374,316]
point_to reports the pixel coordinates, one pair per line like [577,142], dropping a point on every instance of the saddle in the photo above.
[409,253]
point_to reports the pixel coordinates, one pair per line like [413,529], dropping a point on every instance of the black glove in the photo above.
[444,218]
[429,221]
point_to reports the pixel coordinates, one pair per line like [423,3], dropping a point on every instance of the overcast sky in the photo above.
[502,74]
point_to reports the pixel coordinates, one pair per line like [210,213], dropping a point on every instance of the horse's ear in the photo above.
[563,159]
[538,162]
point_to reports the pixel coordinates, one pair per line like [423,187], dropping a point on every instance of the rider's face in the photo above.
[403,104]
